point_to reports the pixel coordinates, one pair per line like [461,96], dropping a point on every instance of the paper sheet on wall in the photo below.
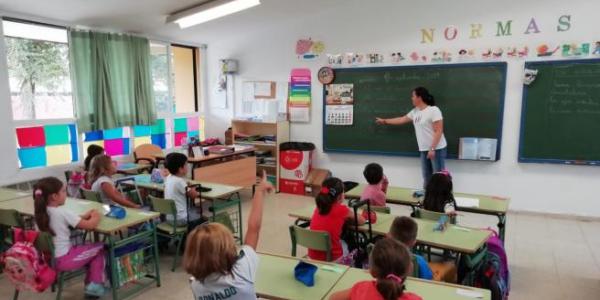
[466,202]
[477,148]
[299,114]
[339,114]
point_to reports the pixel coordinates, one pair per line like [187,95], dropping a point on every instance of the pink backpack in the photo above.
[496,245]
[25,266]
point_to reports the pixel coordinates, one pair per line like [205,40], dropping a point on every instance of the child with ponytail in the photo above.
[51,216]
[330,215]
[390,262]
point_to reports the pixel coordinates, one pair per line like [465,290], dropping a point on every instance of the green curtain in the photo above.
[112,80]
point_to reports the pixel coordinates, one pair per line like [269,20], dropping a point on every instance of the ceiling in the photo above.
[148,16]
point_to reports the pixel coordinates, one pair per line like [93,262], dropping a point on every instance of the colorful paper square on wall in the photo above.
[115,141]
[48,145]
[191,126]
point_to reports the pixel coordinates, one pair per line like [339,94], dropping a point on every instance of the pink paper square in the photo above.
[114,147]
[180,138]
[192,124]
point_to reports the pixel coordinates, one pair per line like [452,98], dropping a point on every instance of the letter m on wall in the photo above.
[503,29]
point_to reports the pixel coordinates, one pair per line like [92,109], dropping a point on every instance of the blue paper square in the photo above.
[142,131]
[159,140]
[113,134]
[32,157]
[93,136]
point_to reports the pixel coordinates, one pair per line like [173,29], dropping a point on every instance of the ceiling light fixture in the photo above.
[210,11]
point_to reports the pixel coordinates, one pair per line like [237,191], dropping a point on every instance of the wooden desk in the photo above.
[427,289]
[237,168]
[454,238]
[488,205]
[110,226]
[9,194]
[275,278]
[220,195]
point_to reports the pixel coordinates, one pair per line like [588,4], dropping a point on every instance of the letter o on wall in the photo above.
[450,33]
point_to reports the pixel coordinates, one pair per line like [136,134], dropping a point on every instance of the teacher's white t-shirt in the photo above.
[423,122]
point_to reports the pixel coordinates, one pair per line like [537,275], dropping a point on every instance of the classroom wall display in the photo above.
[339,104]
[48,145]
[186,128]
[115,141]
[158,134]
[300,95]
[560,112]
[309,49]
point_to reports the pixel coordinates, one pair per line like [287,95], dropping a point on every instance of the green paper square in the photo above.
[56,134]
[159,127]
[181,125]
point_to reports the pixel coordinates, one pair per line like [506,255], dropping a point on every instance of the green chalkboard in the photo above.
[560,116]
[470,96]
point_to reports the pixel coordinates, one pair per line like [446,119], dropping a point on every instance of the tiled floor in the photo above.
[549,258]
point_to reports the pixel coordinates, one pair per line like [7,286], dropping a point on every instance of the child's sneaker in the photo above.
[94,289]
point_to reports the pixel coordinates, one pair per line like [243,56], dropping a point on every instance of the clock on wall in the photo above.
[326,75]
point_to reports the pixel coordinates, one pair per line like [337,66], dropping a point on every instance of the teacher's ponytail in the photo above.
[425,95]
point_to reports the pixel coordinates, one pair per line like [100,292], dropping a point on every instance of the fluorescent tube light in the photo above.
[210,11]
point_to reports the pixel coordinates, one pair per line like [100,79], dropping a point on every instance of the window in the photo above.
[159,65]
[174,75]
[38,71]
[184,79]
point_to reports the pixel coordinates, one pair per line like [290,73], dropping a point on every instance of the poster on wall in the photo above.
[300,95]
[339,104]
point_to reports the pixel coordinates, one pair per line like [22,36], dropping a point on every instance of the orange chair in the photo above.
[145,153]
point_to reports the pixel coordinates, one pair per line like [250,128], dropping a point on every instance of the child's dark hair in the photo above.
[331,189]
[390,262]
[41,192]
[425,95]
[373,173]
[404,229]
[174,161]
[92,150]
[438,192]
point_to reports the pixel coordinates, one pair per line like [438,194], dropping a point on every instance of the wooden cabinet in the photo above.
[265,137]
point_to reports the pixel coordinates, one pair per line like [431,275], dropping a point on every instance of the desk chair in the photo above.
[145,154]
[168,229]
[9,218]
[312,239]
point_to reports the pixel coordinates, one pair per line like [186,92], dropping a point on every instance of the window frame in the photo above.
[36,122]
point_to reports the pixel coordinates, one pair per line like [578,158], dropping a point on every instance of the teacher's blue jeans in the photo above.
[430,166]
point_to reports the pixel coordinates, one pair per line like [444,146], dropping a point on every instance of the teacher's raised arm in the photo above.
[429,129]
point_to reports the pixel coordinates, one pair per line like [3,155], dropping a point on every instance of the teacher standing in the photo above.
[429,129]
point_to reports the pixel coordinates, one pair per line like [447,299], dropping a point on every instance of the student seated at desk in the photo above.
[438,194]
[51,216]
[219,271]
[404,229]
[330,215]
[378,184]
[175,189]
[101,170]
[389,263]
[92,151]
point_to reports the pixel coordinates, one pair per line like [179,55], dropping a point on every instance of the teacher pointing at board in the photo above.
[429,129]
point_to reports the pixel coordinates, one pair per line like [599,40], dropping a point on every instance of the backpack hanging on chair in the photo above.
[360,255]
[25,267]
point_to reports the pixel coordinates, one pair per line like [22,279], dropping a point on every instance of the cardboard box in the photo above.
[314,180]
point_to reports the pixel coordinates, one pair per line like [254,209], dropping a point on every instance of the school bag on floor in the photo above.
[491,273]
[25,266]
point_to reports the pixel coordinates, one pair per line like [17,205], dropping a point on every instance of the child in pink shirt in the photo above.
[378,184]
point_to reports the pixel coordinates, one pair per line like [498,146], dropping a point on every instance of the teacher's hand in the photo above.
[430,154]
[380,121]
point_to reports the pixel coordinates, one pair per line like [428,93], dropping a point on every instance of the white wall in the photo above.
[385,26]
